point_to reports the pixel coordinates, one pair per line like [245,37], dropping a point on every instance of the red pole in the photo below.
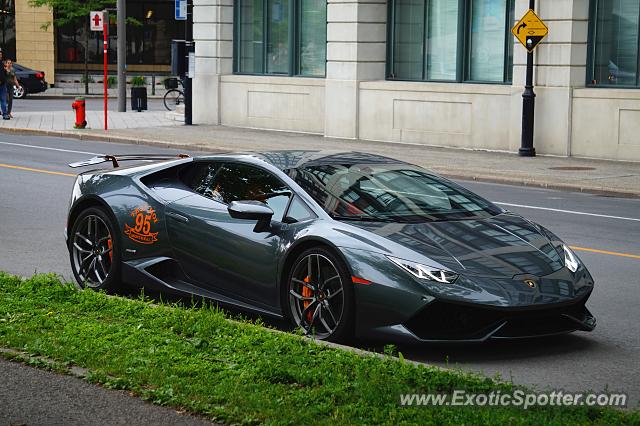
[105,32]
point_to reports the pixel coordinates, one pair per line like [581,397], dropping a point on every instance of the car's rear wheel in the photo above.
[19,92]
[95,251]
[320,296]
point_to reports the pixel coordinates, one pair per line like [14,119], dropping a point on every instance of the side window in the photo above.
[199,177]
[241,182]
[299,212]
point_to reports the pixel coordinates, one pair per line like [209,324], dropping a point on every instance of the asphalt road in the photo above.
[33,212]
[29,396]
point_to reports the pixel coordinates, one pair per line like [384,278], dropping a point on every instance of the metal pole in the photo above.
[105,31]
[122,55]
[528,107]
[188,82]
[188,102]
[88,35]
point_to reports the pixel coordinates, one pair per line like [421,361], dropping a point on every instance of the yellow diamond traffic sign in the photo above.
[530,30]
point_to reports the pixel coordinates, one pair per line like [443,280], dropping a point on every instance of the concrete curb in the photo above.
[452,174]
[621,193]
[51,364]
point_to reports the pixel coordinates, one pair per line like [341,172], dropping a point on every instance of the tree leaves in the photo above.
[68,11]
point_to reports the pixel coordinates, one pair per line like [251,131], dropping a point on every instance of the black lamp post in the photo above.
[528,106]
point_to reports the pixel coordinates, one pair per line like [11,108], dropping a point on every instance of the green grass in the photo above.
[236,372]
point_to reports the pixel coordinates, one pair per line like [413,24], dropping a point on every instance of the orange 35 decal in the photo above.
[141,232]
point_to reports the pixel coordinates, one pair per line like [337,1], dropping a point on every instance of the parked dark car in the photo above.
[31,81]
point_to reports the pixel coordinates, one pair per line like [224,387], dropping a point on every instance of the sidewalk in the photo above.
[64,120]
[112,94]
[153,128]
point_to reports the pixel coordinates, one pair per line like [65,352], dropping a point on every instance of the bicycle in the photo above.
[174,95]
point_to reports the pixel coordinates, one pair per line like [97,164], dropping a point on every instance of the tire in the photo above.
[322,306]
[172,99]
[19,93]
[95,255]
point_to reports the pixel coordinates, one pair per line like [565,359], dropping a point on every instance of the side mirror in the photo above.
[252,210]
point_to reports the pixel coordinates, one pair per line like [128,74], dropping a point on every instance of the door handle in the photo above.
[178,217]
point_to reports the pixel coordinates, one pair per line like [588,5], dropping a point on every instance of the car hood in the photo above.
[503,246]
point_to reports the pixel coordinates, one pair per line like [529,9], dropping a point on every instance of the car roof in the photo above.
[295,159]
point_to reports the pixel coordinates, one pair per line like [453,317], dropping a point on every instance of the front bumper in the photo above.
[37,86]
[398,308]
[442,321]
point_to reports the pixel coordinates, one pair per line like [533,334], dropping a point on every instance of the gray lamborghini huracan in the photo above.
[341,244]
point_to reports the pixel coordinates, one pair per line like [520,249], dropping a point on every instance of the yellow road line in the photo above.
[611,253]
[29,169]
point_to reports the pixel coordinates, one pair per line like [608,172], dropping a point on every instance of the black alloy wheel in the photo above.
[94,251]
[320,296]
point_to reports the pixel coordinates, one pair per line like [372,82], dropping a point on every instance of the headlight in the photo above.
[426,272]
[570,259]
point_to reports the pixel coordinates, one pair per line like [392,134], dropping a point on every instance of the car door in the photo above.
[224,254]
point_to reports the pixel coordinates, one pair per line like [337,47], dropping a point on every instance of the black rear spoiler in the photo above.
[115,159]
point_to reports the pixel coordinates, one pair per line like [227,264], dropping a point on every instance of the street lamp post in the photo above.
[188,81]
[528,107]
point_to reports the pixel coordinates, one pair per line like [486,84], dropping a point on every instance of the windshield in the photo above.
[389,192]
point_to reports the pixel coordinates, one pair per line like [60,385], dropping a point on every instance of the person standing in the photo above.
[3,88]
[12,83]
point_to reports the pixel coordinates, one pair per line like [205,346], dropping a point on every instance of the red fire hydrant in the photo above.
[80,107]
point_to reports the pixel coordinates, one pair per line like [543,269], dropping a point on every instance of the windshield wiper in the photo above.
[363,218]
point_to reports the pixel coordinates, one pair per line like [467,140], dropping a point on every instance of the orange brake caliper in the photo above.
[307,292]
[110,247]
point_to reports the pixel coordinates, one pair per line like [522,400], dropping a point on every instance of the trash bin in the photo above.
[139,98]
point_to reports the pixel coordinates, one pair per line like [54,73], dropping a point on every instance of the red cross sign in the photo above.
[96,19]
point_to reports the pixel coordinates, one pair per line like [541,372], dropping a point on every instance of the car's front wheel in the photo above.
[95,251]
[320,296]
[19,92]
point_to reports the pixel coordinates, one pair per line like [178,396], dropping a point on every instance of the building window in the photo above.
[614,43]
[8,29]
[453,41]
[313,38]
[280,37]
[148,40]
